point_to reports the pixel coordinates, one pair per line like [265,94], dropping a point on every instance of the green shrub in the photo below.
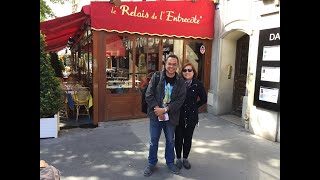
[56,64]
[51,95]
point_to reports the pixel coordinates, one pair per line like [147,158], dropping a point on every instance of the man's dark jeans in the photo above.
[156,127]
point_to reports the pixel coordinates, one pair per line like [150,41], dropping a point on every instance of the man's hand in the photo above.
[159,111]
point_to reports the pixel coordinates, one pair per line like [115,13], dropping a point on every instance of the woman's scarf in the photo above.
[188,82]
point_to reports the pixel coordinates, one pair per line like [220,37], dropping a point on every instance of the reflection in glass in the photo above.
[118,64]
[167,48]
[178,50]
[195,57]
[147,60]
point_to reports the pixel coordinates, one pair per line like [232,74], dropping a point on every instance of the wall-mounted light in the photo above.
[70,42]
[85,26]
[229,71]
[216,4]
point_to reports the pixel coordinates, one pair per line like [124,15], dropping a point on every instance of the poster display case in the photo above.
[267,86]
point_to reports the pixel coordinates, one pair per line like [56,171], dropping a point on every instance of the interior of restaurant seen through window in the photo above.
[131,60]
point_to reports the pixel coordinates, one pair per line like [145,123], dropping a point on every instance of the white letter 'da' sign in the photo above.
[274,36]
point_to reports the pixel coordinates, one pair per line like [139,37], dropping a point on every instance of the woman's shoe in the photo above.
[179,163]
[186,164]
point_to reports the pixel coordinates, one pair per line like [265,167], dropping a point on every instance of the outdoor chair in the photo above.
[81,98]
[64,111]
[76,87]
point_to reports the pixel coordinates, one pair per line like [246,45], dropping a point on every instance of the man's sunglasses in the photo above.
[185,70]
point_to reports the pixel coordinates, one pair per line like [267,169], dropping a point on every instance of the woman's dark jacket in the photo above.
[155,95]
[189,109]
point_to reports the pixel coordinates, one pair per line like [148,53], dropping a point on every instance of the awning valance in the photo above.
[163,18]
[59,30]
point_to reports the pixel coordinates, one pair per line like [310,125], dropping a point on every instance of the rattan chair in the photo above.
[81,98]
[64,111]
[76,87]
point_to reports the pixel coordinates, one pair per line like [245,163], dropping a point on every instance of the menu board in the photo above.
[267,85]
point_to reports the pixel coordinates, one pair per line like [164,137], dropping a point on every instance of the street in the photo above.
[119,150]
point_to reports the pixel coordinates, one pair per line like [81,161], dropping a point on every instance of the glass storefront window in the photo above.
[147,58]
[153,55]
[141,60]
[90,70]
[178,50]
[124,74]
[118,64]
[167,48]
[195,57]
[85,61]
[172,46]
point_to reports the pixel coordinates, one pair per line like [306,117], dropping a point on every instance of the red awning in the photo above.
[163,18]
[59,30]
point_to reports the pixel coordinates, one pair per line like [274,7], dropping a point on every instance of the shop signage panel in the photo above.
[267,85]
[163,18]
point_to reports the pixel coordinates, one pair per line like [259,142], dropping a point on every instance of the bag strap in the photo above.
[157,78]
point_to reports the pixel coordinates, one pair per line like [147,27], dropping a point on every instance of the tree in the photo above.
[56,64]
[46,11]
[51,95]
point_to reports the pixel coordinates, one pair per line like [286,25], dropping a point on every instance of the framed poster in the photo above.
[268,94]
[271,74]
[271,53]
[267,85]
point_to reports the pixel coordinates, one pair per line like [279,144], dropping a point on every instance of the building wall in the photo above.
[233,19]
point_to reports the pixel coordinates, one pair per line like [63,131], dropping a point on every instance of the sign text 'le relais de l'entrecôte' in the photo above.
[164,18]
[163,15]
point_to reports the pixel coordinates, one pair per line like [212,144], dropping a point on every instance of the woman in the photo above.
[188,114]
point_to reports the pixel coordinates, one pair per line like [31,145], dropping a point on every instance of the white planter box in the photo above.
[49,127]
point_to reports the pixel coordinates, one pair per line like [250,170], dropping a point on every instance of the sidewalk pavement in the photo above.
[119,150]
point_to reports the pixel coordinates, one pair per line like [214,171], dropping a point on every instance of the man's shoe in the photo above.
[179,163]
[148,170]
[173,168]
[186,164]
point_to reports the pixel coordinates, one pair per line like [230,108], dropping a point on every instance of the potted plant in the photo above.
[51,97]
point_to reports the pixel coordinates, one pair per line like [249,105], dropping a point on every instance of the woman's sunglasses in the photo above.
[185,70]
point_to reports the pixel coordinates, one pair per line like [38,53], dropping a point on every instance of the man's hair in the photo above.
[172,56]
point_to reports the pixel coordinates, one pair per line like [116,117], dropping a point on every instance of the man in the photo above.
[164,101]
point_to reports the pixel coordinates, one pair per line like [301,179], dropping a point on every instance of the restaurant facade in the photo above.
[114,47]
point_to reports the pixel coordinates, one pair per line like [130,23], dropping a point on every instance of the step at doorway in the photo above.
[232,118]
